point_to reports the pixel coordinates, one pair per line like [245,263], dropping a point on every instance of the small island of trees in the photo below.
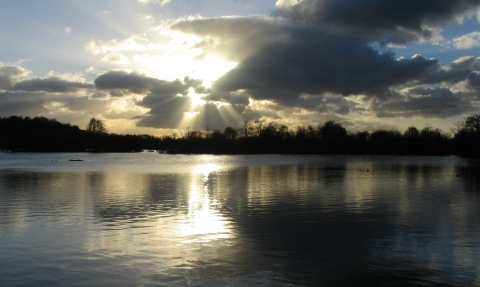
[40,134]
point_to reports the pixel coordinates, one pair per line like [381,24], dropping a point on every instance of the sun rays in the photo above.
[211,116]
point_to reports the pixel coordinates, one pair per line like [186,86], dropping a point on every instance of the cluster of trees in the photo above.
[40,134]
[329,138]
[47,135]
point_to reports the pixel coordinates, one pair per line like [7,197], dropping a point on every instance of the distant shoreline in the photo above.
[18,134]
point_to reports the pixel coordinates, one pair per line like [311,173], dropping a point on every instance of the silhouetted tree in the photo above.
[230,133]
[470,125]
[333,137]
[467,137]
[360,142]
[96,126]
[386,142]
[412,140]
[247,129]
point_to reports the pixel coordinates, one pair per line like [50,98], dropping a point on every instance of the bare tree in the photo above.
[230,133]
[468,125]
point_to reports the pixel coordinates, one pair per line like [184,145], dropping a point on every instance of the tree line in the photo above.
[40,134]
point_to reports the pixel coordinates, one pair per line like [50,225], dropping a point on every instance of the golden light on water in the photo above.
[206,169]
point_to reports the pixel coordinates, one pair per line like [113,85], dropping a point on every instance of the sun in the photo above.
[210,69]
[175,67]
[195,98]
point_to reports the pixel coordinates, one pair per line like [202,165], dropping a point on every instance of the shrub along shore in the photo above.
[40,134]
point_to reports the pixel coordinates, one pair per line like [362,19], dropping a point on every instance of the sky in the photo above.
[160,66]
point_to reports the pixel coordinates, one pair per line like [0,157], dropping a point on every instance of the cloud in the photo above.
[10,74]
[161,2]
[115,58]
[51,85]
[327,104]
[424,102]
[464,63]
[281,61]
[214,117]
[233,38]
[141,84]
[66,97]
[443,75]
[235,98]
[167,101]
[67,30]
[136,43]
[285,3]
[467,41]
[165,111]
[394,21]
[26,103]
[315,71]
[311,60]
[473,84]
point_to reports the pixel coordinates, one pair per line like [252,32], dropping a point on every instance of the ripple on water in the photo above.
[239,221]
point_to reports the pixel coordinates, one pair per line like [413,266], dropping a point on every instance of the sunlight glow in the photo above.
[210,69]
[188,120]
[173,66]
[190,114]
[229,114]
[196,98]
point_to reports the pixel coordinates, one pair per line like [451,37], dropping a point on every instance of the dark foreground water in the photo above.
[147,219]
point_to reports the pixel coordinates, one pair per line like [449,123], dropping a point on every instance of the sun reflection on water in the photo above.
[204,221]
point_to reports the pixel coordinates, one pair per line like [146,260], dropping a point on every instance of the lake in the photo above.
[148,219]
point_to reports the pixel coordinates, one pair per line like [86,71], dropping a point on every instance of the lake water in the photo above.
[148,219]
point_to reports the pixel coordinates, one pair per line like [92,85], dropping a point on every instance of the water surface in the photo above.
[146,219]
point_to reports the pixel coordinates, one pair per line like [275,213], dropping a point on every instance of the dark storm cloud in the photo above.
[51,85]
[395,21]
[315,61]
[302,65]
[280,61]
[426,103]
